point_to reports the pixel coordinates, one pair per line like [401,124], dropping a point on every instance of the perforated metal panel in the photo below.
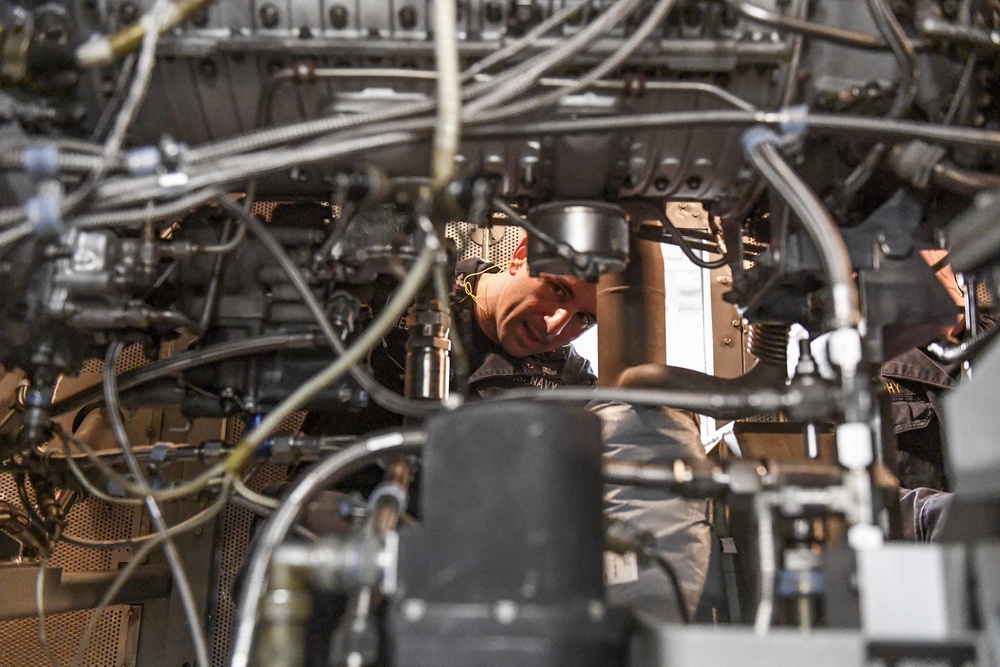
[468,242]
[237,528]
[106,649]
[132,357]
[96,520]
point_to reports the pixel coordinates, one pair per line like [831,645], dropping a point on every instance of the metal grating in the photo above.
[237,528]
[107,648]
[264,209]
[132,357]
[467,247]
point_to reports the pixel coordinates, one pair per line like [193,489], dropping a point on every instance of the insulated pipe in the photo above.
[631,311]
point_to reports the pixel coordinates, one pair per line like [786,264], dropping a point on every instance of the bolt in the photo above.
[727,341]
[414,610]
[128,12]
[505,612]
[339,16]
[198,531]
[694,182]
[494,12]
[269,15]
[736,324]
[661,183]
[408,17]
[723,280]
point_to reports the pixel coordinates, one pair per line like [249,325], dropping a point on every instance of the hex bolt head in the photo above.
[408,17]
[269,15]
[339,16]
[494,12]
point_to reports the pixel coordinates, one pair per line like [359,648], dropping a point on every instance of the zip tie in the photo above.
[44,214]
[757,135]
[143,160]
[795,119]
[41,160]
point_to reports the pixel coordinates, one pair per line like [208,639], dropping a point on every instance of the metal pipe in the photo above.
[762,151]
[631,311]
[274,532]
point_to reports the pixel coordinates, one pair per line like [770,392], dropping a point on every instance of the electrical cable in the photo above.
[224,247]
[562,248]
[158,16]
[140,215]
[266,512]
[191,359]
[682,243]
[518,45]
[14,234]
[654,20]
[853,124]
[379,393]
[324,474]
[181,579]
[111,106]
[190,523]
[675,584]
[257,498]
[43,640]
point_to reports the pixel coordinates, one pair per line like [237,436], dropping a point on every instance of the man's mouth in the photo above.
[531,339]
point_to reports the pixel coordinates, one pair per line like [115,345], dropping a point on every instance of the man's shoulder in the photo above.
[572,366]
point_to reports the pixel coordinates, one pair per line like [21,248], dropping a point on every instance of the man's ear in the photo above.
[520,256]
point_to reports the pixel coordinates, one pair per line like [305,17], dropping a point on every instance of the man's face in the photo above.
[543,313]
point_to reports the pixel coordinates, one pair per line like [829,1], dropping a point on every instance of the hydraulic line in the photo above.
[654,20]
[189,360]
[754,400]
[448,127]
[521,77]
[325,473]
[180,577]
[819,225]
[828,33]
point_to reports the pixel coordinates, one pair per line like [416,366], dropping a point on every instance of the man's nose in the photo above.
[557,321]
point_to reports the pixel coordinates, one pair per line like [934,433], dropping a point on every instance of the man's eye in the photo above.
[558,289]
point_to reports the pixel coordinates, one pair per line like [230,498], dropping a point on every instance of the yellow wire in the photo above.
[496,268]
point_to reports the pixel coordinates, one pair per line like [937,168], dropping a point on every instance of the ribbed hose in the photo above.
[768,342]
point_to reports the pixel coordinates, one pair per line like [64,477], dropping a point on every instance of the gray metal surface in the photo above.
[663,645]
[227,72]
[73,591]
